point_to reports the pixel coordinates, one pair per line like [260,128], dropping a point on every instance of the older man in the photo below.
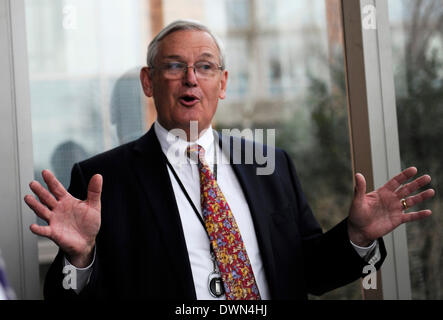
[136,222]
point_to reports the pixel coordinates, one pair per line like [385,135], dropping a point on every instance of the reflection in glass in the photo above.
[417,44]
[127,113]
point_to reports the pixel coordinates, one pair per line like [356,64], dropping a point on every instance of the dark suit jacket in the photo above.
[141,250]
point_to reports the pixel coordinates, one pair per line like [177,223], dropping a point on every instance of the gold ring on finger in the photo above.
[404,204]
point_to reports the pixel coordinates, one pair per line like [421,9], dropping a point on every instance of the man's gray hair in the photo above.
[179,25]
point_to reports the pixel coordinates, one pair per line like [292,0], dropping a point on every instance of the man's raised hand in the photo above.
[375,214]
[72,224]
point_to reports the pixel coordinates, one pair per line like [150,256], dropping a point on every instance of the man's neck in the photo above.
[191,133]
[174,145]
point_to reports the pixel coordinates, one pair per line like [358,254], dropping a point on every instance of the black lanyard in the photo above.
[186,193]
[215,282]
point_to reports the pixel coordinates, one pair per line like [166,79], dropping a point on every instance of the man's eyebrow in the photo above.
[206,55]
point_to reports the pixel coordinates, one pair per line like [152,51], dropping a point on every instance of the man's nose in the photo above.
[190,78]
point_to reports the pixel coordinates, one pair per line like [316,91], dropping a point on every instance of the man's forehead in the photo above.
[206,55]
[181,41]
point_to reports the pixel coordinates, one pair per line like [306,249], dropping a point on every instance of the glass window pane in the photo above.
[84,82]
[417,44]
[286,72]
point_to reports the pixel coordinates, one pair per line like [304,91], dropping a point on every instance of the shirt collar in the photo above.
[174,147]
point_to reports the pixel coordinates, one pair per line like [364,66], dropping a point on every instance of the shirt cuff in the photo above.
[82,274]
[370,254]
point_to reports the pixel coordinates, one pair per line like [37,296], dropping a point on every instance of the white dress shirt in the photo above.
[196,238]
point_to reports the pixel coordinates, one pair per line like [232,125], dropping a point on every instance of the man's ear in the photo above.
[146,81]
[223,84]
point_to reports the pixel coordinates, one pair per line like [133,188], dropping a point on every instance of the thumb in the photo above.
[360,186]
[95,190]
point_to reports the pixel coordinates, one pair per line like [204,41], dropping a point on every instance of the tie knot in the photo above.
[196,153]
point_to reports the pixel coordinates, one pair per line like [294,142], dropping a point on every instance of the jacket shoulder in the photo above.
[243,145]
[108,159]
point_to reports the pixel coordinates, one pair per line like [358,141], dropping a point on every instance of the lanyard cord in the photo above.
[187,195]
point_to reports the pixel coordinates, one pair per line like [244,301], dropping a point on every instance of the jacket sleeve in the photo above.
[330,261]
[53,286]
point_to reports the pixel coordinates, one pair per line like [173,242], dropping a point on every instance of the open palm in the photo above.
[72,224]
[377,213]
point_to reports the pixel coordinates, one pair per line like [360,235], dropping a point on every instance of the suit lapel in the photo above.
[249,182]
[150,167]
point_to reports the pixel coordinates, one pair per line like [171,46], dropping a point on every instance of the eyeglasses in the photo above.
[176,70]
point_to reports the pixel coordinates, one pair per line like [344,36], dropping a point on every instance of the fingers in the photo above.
[54,185]
[413,186]
[44,195]
[41,210]
[95,190]
[422,196]
[44,231]
[360,186]
[399,179]
[413,216]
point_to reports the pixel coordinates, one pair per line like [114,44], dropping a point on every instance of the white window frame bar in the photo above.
[18,244]
[373,127]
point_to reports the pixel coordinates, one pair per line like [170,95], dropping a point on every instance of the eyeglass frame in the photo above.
[186,67]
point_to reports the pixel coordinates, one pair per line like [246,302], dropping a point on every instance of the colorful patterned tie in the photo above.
[232,259]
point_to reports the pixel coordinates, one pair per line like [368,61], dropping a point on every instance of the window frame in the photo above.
[19,244]
[373,128]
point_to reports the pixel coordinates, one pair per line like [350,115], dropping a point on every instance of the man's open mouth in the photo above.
[189,100]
